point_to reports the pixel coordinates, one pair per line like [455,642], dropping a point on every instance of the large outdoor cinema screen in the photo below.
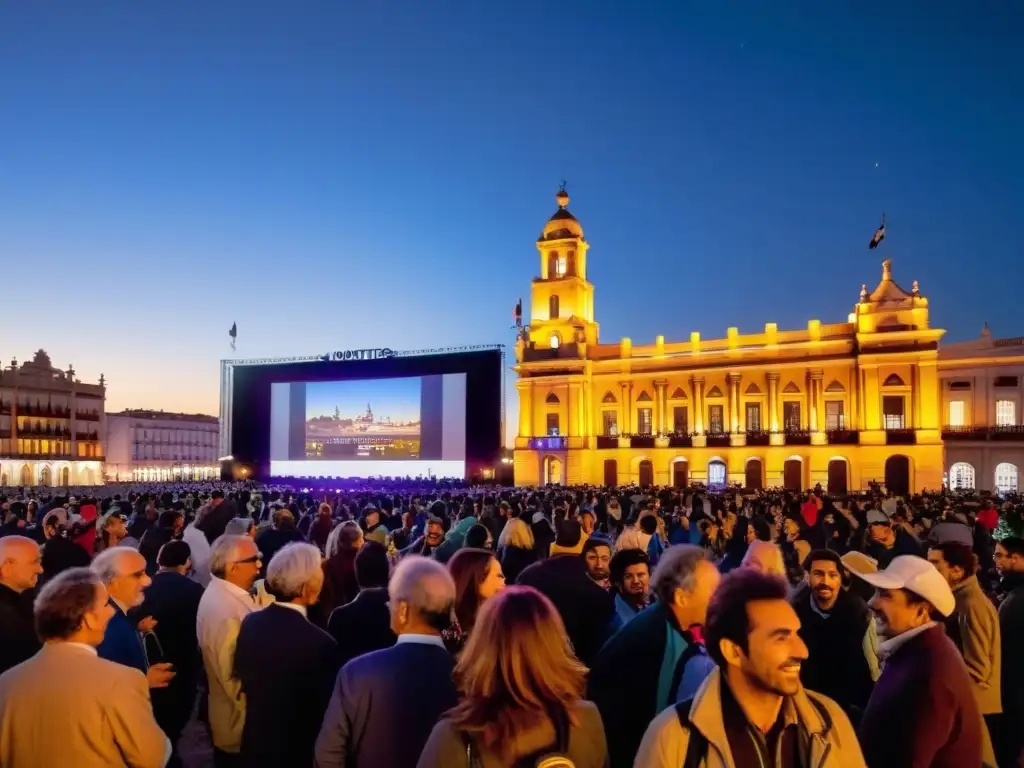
[413,416]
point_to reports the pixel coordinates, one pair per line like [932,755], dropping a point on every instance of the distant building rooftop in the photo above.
[155,415]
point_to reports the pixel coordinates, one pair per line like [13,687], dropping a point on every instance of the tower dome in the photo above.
[562,224]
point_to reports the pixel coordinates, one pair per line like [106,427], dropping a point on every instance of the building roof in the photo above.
[155,415]
[562,223]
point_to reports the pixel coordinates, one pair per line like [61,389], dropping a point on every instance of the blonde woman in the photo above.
[516,549]
[522,693]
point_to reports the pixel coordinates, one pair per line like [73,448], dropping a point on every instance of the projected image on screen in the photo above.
[375,419]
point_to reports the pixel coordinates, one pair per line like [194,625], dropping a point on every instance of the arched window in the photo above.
[716,474]
[553,307]
[961,476]
[1006,477]
[555,341]
[552,265]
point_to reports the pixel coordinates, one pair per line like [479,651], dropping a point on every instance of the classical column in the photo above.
[626,425]
[773,401]
[853,419]
[697,382]
[915,397]
[814,401]
[734,402]
[525,408]
[659,406]
[573,408]
[591,428]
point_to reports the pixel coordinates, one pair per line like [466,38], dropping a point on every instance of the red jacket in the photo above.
[989,518]
[809,511]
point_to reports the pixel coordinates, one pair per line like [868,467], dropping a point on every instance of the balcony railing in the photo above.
[607,441]
[900,437]
[550,443]
[797,437]
[30,455]
[86,436]
[49,411]
[88,415]
[842,436]
[680,440]
[717,439]
[758,437]
[641,441]
[1001,433]
[44,432]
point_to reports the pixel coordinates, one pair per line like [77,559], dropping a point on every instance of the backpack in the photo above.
[546,758]
[697,747]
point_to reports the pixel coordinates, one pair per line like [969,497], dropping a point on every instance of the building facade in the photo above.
[982,394]
[843,405]
[51,426]
[153,446]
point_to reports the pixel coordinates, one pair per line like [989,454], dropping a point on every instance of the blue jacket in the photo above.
[122,642]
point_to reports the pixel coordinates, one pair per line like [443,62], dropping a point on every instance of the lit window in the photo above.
[715,419]
[892,412]
[611,423]
[1006,413]
[961,476]
[834,420]
[554,341]
[753,417]
[561,266]
[1006,478]
[644,421]
[956,413]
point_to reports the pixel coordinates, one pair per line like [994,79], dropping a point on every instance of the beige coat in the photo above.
[832,745]
[67,707]
[978,624]
[221,610]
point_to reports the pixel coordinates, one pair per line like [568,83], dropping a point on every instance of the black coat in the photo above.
[586,609]
[18,639]
[836,665]
[515,560]
[385,705]
[60,553]
[362,626]
[173,600]
[286,666]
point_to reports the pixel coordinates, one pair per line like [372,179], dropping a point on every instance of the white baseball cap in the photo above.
[917,575]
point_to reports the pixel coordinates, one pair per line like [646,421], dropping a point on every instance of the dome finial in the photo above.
[562,197]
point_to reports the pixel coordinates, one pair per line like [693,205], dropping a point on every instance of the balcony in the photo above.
[900,437]
[842,436]
[48,410]
[86,436]
[1004,433]
[717,439]
[605,442]
[44,432]
[5,407]
[87,415]
[758,437]
[797,437]
[29,455]
[550,443]
[680,440]
[641,441]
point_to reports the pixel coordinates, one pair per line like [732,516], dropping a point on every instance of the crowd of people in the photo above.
[404,624]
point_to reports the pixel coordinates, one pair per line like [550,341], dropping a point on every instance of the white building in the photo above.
[982,384]
[51,426]
[153,446]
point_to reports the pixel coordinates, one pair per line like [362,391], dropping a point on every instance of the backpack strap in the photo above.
[697,746]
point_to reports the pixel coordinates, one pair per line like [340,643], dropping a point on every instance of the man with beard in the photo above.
[836,626]
[631,578]
[753,710]
[427,544]
[597,553]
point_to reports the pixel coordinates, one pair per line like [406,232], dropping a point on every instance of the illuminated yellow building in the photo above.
[842,405]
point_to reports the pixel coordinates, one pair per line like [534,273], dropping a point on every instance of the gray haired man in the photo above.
[375,690]
[657,655]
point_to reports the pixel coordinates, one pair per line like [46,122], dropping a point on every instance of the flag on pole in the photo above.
[233,333]
[517,314]
[879,235]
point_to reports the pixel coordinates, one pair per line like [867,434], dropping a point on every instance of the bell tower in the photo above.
[562,301]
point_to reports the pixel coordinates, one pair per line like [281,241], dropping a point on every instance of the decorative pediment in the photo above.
[791,389]
[608,398]
[893,381]
[552,399]
[753,389]
[678,394]
[714,392]
[835,386]
[643,397]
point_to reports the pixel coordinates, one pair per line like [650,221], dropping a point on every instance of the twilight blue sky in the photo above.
[397,399]
[333,174]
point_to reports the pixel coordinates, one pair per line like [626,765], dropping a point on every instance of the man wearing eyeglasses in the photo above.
[235,563]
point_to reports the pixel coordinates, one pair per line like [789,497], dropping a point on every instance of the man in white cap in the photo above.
[923,710]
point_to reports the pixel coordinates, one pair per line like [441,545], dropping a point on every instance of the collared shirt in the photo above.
[300,608]
[119,604]
[421,639]
[90,648]
[893,644]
